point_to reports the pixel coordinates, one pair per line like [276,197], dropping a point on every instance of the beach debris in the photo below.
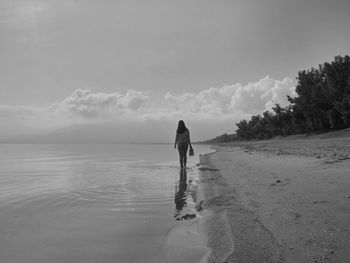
[208,169]
[186,217]
[275,183]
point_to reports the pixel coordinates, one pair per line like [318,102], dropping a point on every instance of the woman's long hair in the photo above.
[181,127]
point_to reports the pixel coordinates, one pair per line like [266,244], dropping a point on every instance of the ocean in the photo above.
[96,203]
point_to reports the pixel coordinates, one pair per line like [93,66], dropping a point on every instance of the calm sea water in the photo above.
[91,203]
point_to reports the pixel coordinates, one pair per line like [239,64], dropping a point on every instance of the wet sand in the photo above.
[185,243]
[277,201]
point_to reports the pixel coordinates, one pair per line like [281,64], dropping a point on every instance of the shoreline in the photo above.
[263,205]
[228,225]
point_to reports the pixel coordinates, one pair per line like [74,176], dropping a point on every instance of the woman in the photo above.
[182,140]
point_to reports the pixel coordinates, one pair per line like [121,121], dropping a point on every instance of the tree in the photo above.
[322,103]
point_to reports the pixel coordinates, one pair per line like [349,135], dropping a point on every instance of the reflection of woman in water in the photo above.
[182,140]
[180,194]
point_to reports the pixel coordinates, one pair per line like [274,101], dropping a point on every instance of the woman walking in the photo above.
[182,140]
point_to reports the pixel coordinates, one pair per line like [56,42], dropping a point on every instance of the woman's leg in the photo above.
[185,159]
[181,160]
[181,156]
[185,156]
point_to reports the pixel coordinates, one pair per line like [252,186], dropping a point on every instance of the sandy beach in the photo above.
[283,200]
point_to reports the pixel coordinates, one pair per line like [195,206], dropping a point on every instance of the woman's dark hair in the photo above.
[181,127]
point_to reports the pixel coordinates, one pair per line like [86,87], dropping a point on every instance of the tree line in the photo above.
[322,104]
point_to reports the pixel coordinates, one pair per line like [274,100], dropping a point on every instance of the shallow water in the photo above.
[92,203]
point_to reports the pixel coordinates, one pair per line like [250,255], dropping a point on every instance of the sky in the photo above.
[136,67]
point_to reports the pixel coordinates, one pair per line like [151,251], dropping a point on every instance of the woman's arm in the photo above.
[176,139]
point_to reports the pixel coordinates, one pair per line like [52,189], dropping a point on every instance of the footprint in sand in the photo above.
[320,202]
[217,201]
[199,206]
[312,242]
[254,204]
[294,215]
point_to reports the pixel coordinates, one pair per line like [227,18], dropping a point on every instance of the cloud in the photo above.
[252,98]
[86,104]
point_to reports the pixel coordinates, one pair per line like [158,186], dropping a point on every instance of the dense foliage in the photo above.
[223,138]
[322,103]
